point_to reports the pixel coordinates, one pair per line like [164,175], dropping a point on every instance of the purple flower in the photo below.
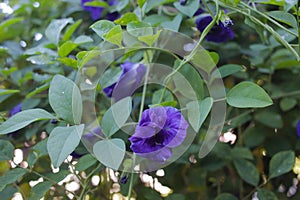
[15,110]
[182,2]
[96,12]
[129,81]
[53,121]
[159,130]
[219,33]
[74,154]
[124,179]
[298,129]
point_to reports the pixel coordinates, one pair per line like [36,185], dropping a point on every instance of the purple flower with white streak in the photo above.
[159,130]
[220,32]
[96,12]
[130,79]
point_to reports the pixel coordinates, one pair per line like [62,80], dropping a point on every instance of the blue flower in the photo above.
[96,12]
[298,129]
[220,32]
[15,110]
[182,2]
[159,130]
[132,76]
[124,179]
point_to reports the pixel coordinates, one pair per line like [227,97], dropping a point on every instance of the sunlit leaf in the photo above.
[62,142]
[110,152]
[247,95]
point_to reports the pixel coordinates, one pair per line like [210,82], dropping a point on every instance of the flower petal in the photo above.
[160,156]
[298,129]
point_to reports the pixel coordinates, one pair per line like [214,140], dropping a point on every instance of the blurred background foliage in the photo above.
[256,164]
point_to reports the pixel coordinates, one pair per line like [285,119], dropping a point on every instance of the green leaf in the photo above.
[174,24]
[287,104]
[168,97]
[62,142]
[110,77]
[175,196]
[226,196]
[270,119]
[11,176]
[248,95]
[6,28]
[281,163]
[5,91]
[65,99]
[254,136]
[165,103]
[102,27]
[139,29]
[57,177]
[82,39]
[110,152]
[116,116]
[38,90]
[198,111]
[54,29]
[6,23]
[271,2]
[42,59]
[241,152]
[203,60]
[68,62]
[97,4]
[232,2]
[115,36]
[8,193]
[193,77]
[7,150]
[149,39]
[39,150]
[284,17]
[121,4]
[151,4]
[229,69]
[127,18]
[85,162]
[70,30]
[289,4]
[24,118]
[189,9]
[141,3]
[263,194]
[39,190]
[247,171]
[66,48]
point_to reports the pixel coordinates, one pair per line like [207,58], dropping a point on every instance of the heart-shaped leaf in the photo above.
[62,142]
[110,152]
[188,9]
[198,111]
[115,117]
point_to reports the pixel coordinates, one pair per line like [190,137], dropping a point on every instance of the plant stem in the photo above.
[194,51]
[268,18]
[294,93]
[148,59]
[86,182]
[267,27]
[298,25]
